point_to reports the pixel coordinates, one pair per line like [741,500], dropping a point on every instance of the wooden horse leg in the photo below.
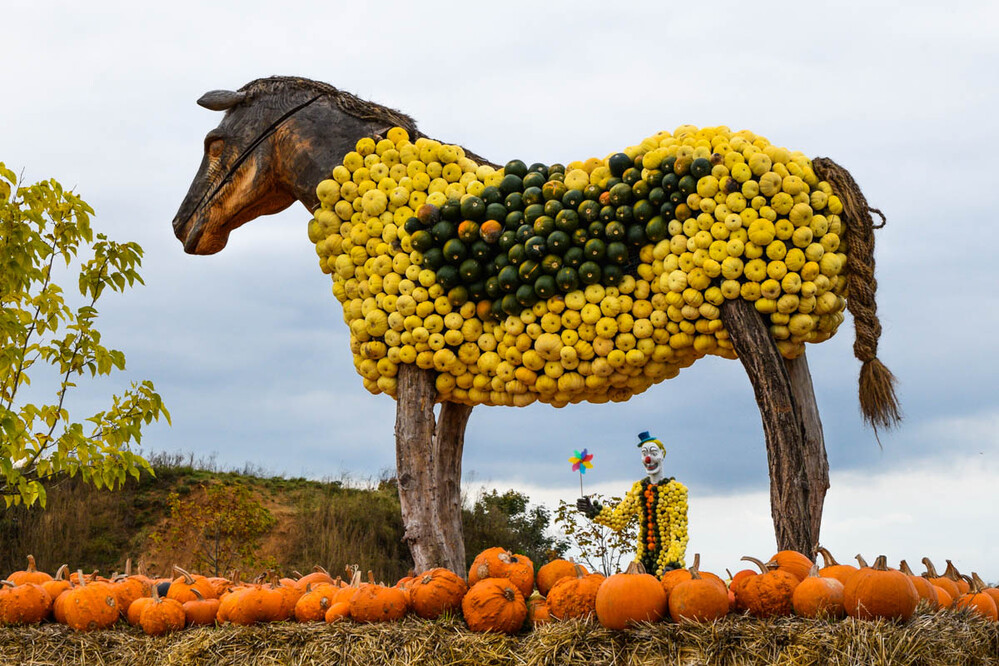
[449,440]
[428,468]
[816,462]
[782,424]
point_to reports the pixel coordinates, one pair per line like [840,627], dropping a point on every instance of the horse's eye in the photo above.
[215,148]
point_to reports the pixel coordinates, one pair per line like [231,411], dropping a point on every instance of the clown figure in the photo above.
[661,505]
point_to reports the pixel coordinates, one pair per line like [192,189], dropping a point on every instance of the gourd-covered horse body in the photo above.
[282,136]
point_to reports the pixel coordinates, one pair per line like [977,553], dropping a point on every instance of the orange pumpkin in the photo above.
[875,592]
[769,593]
[378,603]
[943,597]
[182,586]
[90,606]
[501,563]
[673,578]
[162,615]
[551,573]
[537,611]
[793,562]
[819,596]
[27,603]
[925,589]
[338,611]
[978,601]
[312,606]
[991,591]
[202,611]
[630,597]
[940,581]
[494,605]
[57,585]
[834,569]
[698,599]
[435,592]
[29,575]
[575,596]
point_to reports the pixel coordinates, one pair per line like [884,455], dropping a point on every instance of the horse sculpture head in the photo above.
[279,138]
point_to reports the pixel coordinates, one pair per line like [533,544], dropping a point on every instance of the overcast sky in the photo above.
[249,349]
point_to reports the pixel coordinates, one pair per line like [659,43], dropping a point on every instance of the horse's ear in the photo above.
[220,100]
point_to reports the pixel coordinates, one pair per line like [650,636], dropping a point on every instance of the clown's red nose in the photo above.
[648,459]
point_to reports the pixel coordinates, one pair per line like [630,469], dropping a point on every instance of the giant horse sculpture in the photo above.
[281,136]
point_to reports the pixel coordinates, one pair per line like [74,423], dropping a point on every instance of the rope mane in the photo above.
[345,101]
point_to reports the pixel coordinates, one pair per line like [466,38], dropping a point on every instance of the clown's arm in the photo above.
[677,543]
[615,517]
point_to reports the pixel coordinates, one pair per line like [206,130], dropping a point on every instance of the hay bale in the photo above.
[947,638]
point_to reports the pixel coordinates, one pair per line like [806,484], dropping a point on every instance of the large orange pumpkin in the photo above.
[876,592]
[90,606]
[27,603]
[312,606]
[494,604]
[435,592]
[630,597]
[161,615]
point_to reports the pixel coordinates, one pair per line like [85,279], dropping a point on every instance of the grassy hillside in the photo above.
[330,523]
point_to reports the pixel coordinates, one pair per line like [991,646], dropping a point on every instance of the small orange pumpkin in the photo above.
[162,615]
[940,581]
[27,603]
[574,596]
[202,611]
[90,606]
[978,601]
[819,596]
[29,575]
[925,589]
[834,569]
[501,563]
[551,573]
[769,593]
[793,562]
[698,599]
[494,605]
[378,603]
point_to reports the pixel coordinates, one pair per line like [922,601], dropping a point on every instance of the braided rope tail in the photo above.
[878,401]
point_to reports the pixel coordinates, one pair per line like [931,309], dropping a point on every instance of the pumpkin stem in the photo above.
[296,573]
[764,566]
[951,571]
[319,569]
[826,556]
[156,592]
[635,568]
[814,571]
[7,583]
[188,578]
[61,572]
[371,577]
[128,567]
[903,566]
[355,580]
[578,570]
[931,571]
[862,561]
[695,568]
[198,594]
[880,563]
[31,564]
[978,584]
[79,578]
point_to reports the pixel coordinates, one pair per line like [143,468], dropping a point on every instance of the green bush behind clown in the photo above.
[660,502]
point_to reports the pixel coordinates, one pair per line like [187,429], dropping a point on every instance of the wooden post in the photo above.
[428,465]
[449,441]
[415,467]
[816,462]
[782,424]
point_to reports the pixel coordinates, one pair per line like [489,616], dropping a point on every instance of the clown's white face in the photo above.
[652,458]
